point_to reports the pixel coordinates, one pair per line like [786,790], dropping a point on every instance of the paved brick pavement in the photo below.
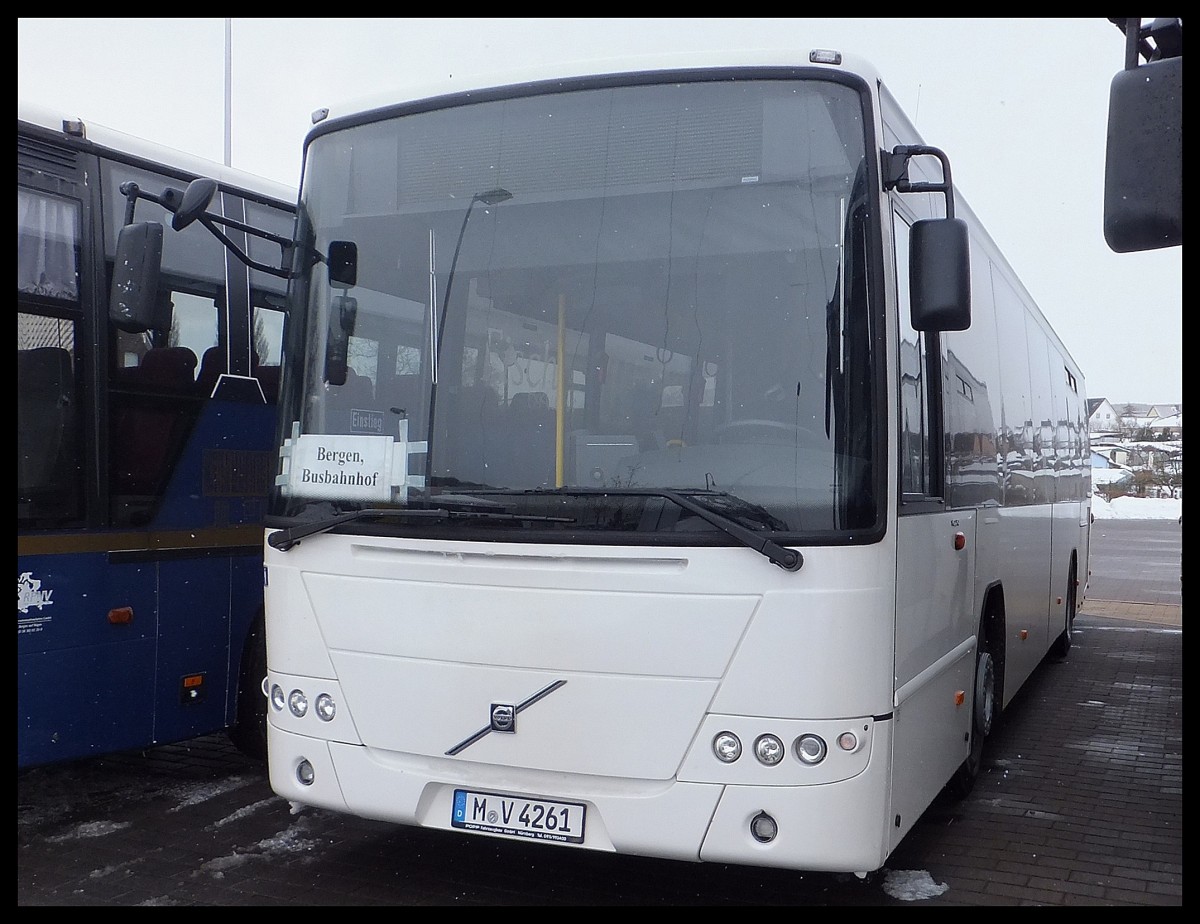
[1080,803]
[1082,797]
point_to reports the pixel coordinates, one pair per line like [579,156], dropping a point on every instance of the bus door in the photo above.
[935,554]
[190,431]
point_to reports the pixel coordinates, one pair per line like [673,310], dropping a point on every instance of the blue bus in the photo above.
[144,447]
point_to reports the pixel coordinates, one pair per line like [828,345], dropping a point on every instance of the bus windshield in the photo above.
[562,303]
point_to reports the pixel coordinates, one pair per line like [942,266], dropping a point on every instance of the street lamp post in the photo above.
[489,197]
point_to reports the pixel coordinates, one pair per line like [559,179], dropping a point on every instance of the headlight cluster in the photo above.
[770,750]
[296,703]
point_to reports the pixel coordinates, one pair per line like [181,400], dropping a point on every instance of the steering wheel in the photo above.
[735,429]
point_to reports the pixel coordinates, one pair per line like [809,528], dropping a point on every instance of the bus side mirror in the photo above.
[343,263]
[133,300]
[343,313]
[940,274]
[1143,166]
[195,200]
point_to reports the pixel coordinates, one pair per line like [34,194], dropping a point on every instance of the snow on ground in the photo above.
[912,885]
[1137,508]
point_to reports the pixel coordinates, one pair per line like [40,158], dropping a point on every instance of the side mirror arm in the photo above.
[895,172]
[211,221]
[170,200]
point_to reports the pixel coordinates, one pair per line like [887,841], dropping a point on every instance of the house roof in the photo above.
[1133,410]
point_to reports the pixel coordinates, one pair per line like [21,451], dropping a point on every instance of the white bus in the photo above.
[670,464]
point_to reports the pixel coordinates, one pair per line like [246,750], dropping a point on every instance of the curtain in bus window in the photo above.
[47,245]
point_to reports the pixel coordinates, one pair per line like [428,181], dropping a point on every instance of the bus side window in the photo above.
[267,350]
[149,423]
[45,422]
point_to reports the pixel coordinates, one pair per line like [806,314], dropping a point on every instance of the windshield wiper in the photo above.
[785,558]
[285,539]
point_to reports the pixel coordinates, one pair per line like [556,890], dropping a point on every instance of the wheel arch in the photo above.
[992,623]
[249,729]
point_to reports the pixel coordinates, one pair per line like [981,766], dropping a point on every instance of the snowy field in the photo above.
[1137,508]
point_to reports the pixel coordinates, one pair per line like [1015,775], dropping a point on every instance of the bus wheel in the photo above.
[1062,644]
[249,731]
[983,712]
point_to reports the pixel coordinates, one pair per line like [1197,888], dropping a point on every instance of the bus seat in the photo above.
[479,404]
[212,365]
[268,378]
[475,437]
[144,427]
[531,439]
[169,368]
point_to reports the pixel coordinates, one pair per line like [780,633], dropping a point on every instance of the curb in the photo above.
[1159,614]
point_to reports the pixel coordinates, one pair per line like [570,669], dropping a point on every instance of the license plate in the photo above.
[515,816]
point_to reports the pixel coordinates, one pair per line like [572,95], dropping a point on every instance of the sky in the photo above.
[1019,105]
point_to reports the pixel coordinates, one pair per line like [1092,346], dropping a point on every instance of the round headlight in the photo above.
[727,747]
[325,707]
[305,773]
[298,703]
[810,749]
[277,698]
[768,749]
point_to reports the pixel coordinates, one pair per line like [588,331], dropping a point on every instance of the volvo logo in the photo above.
[502,717]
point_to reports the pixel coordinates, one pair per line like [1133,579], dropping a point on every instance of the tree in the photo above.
[1143,480]
[1127,421]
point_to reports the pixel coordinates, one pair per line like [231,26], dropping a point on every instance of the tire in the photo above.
[249,731]
[1061,645]
[983,714]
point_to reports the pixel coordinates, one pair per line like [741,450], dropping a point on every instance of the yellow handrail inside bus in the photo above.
[560,437]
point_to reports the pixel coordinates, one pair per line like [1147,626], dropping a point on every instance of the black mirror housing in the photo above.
[133,300]
[1143,167]
[195,200]
[343,263]
[940,274]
